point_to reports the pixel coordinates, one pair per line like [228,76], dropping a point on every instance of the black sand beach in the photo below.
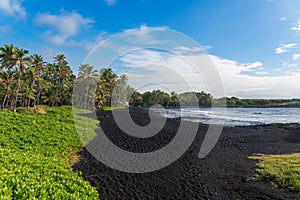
[226,173]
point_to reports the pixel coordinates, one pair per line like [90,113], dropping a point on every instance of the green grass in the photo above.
[282,170]
[106,108]
[84,125]
[34,150]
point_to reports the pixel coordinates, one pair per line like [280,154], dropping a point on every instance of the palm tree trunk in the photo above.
[6,95]
[29,101]
[17,92]
[23,101]
[3,103]
[35,103]
[86,97]
[31,87]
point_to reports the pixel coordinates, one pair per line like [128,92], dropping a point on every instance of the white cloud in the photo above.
[207,47]
[148,68]
[63,26]
[287,64]
[251,66]
[296,26]
[285,48]
[283,18]
[12,8]
[246,86]
[261,73]
[296,56]
[144,35]
[188,50]
[110,2]
[172,72]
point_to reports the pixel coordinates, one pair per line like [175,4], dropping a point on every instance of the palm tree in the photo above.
[120,91]
[62,77]
[7,56]
[6,79]
[21,60]
[61,64]
[107,83]
[37,67]
[87,77]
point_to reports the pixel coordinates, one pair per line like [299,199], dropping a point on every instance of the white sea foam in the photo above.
[236,116]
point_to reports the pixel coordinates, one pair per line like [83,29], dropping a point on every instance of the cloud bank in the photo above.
[12,8]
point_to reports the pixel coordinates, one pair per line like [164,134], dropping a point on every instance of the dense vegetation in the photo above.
[27,80]
[204,100]
[236,102]
[170,100]
[36,151]
[283,170]
[100,88]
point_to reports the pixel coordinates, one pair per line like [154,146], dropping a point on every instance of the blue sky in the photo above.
[260,35]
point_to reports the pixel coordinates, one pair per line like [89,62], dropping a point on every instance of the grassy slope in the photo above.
[283,170]
[32,150]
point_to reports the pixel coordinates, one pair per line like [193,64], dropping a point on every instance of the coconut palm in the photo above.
[106,84]
[87,78]
[120,91]
[38,68]
[7,56]
[61,65]
[21,60]
[6,80]
[63,79]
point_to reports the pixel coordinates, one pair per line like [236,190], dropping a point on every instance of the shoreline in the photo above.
[227,106]
[226,173]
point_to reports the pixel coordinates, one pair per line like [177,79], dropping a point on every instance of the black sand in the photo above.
[226,173]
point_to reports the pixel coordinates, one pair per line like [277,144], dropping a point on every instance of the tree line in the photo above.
[172,100]
[27,81]
[104,88]
[97,89]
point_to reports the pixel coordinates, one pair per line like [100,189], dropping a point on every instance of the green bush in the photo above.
[32,150]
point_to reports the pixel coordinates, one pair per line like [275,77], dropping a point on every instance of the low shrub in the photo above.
[32,149]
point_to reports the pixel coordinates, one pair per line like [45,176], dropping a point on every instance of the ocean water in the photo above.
[235,116]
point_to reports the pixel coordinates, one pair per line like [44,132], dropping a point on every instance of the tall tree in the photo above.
[119,95]
[62,73]
[38,68]
[87,79]
[105,87]
[6,79]
[21,60]
[7,57]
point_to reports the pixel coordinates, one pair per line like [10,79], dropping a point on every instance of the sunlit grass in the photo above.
[85,126]
[106,108]
[282,170]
